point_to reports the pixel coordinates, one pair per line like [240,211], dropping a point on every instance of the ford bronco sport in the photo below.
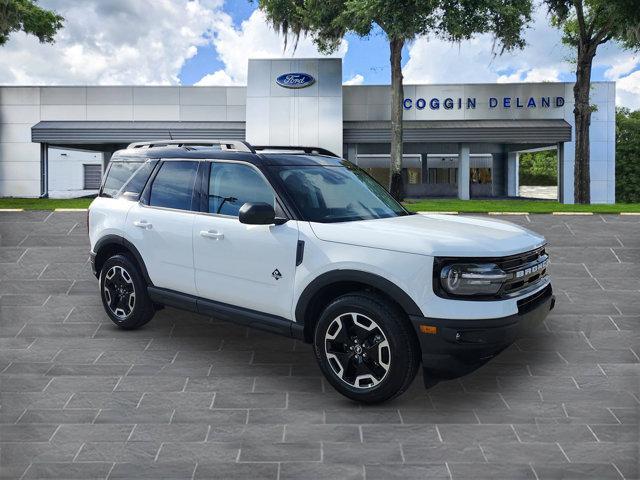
[299,242]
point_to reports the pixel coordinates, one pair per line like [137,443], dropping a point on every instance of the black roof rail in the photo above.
[293,149]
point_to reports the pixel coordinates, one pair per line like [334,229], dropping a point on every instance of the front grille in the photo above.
[525,269]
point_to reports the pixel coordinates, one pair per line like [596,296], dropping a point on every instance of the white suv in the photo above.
[300,242]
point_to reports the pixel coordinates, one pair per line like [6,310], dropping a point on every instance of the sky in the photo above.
[208,42]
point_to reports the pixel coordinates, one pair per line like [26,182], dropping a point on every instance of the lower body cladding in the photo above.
[452,348]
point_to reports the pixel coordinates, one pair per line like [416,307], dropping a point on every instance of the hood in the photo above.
[435,235]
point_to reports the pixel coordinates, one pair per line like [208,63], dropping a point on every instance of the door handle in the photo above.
[142,224]
[212,234]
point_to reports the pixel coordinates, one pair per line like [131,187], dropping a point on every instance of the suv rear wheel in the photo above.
[124,293]
[365,348]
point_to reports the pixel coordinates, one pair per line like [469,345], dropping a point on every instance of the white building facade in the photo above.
[460,140]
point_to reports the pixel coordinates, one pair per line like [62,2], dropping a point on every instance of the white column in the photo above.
[463,171]
[513,166]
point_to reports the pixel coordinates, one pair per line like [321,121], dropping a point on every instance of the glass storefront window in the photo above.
[480,175]
[443,175]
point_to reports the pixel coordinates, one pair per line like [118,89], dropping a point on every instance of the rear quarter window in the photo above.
[127,178]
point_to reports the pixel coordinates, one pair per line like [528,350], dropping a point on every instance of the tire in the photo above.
[124,293]
[366,348]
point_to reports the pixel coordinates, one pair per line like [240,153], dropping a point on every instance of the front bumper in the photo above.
[460,346]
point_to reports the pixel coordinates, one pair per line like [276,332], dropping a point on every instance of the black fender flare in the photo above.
[121,241]
[376,281]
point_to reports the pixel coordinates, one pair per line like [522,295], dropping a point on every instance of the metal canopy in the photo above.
[58,132]
[437,131]
[453,131]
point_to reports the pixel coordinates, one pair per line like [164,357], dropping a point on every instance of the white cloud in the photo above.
[436,61]
[628,91]
[217,78]
[357,79]
[253,39]
[114,42]
[531,75]
[545,58]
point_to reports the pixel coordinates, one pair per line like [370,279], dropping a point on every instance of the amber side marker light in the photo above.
[430,329]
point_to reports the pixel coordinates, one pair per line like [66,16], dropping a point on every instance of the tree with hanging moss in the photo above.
[328,21]
[28,17]
[587,24]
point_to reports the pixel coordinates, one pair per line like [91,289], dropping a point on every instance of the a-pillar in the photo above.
[463,171]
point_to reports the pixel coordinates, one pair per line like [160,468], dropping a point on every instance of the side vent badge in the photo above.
[276,274]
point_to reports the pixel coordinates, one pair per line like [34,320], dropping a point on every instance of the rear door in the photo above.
[160,226]
[252,266]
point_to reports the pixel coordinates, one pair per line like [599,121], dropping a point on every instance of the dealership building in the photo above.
[460,140]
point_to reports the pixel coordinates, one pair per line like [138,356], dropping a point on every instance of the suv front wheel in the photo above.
[366,348]
[124,293]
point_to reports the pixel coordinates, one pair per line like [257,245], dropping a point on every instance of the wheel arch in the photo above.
[333,284]
[110,245]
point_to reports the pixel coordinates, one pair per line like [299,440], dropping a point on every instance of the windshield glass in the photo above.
[328,194]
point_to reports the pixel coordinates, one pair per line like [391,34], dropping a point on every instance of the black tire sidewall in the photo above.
[140,311]
[401,345]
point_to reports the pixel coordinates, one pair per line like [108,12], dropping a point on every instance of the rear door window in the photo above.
[173,185]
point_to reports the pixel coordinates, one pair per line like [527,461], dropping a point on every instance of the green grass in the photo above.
[44,203]
[529,206]
[434,205]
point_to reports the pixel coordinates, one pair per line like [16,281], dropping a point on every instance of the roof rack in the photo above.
[293,149]
[236,145]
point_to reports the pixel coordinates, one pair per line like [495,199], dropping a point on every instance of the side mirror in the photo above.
[257,214]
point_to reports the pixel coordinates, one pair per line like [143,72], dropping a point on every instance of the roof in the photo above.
[498,131]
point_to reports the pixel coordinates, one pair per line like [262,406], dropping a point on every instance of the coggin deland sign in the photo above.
[469,103]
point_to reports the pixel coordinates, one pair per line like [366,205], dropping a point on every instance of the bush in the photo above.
[627,156]
[539,168]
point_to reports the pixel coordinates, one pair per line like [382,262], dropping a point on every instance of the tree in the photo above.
[627,155]
[587,24]
[327,21]
[28,17]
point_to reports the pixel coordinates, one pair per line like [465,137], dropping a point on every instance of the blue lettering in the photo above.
[546,102]
[493,102]
[506,102]
[559,101]
[434,104]
[448,103]
[408,103]
[471,103]
[421,103]
[531,103]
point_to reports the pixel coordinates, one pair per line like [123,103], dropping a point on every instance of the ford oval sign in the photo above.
[295,80]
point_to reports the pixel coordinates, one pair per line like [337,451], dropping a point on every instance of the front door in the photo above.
[161,230]
[252,266]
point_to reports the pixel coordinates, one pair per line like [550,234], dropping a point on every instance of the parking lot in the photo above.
[190,397]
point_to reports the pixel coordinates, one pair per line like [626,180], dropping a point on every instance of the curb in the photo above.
[571,213]
[630,213]
[508,213]
[70,209]
[11,209]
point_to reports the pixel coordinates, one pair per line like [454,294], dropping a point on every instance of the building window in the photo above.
[443,175]
[92,176]
[480,175]
[414,176]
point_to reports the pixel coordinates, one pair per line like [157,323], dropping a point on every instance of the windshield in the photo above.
[328,194]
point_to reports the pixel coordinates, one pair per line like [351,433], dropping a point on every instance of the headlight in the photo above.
[472,279]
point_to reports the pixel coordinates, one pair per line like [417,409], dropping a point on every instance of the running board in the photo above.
[224,311]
